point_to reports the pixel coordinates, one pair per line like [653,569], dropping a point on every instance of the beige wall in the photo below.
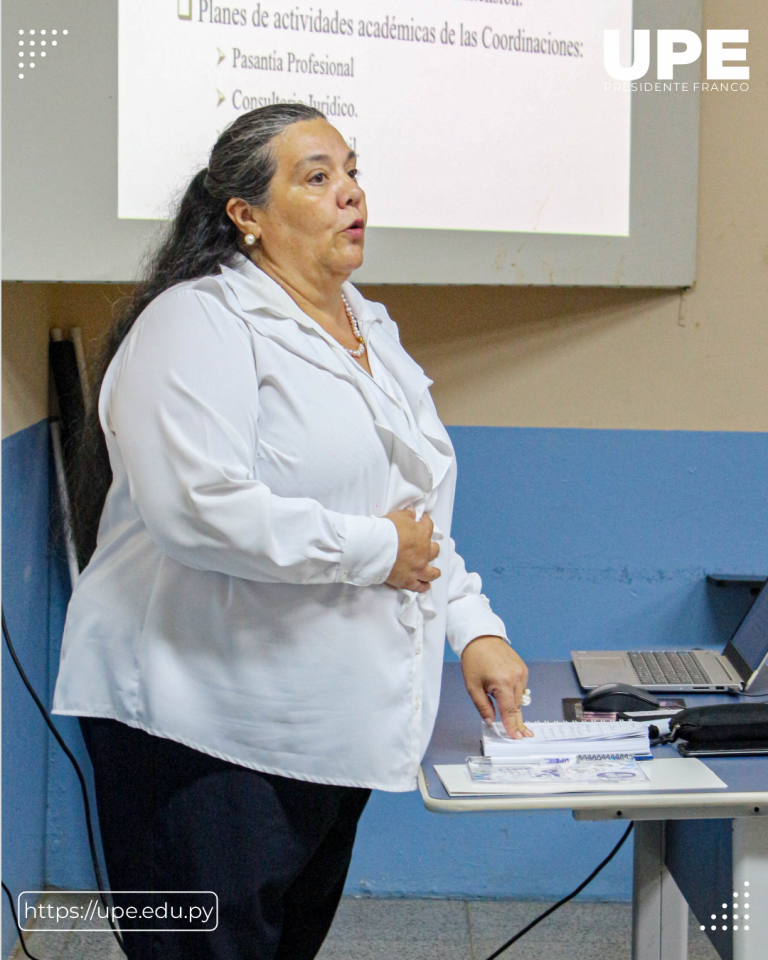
[559,357]
[30,310]
[25,355]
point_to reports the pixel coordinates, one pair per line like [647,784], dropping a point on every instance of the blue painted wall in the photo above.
[44,836]
[593,538]
[26,510]
[584,538]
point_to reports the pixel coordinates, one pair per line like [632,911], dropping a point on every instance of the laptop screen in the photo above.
[750,641]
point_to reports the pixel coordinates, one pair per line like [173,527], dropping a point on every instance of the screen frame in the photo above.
[731,652]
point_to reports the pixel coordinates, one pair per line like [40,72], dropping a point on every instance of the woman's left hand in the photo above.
[491,668]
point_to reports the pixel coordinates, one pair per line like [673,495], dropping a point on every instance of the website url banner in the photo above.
[137,910]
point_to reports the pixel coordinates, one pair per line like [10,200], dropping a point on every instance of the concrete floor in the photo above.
[374,929]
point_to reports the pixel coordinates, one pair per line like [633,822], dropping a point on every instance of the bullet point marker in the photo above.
[222,98]
[221,56]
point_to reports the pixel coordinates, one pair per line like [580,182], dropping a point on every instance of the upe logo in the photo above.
[667,57]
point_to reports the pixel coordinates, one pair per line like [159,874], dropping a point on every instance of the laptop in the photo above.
[685,671]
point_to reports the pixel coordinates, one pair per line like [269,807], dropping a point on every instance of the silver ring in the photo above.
[526,701]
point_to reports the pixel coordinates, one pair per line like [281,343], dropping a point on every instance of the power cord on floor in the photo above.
[560,903]
[80,777]
[16,922]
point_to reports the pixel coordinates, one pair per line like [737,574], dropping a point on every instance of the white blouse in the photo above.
[235,602]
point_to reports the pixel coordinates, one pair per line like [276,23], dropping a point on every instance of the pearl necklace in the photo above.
[355,329]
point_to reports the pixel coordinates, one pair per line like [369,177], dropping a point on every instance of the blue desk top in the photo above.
[458,727]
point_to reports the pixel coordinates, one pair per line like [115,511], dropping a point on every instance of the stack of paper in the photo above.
[587,738]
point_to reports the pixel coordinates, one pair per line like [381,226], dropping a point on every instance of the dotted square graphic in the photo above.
[740,914]
[34,43]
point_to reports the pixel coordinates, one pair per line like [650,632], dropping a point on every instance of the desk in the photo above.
[706,845]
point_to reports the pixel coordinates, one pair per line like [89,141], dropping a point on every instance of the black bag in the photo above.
[722,728]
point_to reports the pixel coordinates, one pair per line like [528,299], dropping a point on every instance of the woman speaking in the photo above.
[257,640]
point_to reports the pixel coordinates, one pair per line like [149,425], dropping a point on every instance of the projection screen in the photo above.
[489,147]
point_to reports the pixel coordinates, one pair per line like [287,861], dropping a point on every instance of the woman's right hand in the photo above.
[415,551]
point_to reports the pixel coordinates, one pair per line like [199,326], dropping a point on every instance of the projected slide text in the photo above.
[465,114]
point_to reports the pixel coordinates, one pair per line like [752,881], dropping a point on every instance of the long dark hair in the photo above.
[199,239]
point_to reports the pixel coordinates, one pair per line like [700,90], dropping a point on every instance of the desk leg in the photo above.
[750,865]
[659,910]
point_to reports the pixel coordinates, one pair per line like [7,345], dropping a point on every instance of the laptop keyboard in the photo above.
[668,667]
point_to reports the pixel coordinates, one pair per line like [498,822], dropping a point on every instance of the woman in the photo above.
[257,640]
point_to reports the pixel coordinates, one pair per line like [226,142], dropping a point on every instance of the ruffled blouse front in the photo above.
[236,600]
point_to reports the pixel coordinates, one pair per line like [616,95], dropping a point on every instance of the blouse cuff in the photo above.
[370,550]
[470,617]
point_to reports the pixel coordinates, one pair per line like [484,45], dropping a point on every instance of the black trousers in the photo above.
[276,851]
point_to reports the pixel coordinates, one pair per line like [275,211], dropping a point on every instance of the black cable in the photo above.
[560,903]
[78,771]
[16,921]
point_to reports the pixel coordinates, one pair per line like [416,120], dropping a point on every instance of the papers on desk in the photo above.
[555,770]
[673,775]
[573,757]
[589,738]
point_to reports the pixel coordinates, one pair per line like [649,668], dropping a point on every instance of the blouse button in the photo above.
[417,704]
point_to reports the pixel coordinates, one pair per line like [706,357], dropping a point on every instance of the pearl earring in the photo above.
[249,239]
